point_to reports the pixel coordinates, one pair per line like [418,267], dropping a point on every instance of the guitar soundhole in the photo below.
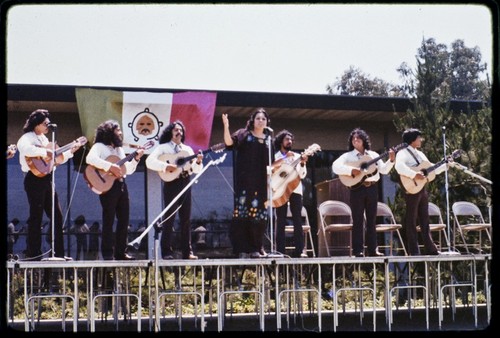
[283,174]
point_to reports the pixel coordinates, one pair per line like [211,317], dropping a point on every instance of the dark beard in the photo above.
[288,147]
[117,141]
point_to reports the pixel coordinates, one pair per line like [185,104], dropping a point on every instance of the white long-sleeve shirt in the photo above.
[33,145]
[341,167]
[405,161]
[100,152]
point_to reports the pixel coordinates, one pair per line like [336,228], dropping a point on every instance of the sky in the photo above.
[257,48]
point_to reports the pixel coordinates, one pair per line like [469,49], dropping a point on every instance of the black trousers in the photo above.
[417,209]
[363,201]
[298,235]
[170,191]
[115,203]
[39,192]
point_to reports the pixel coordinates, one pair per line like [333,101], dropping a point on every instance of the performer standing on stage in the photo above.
[176,178]
[34,145]
[251,151]
[363,198]
[115,202]
[284,141]
[417,205]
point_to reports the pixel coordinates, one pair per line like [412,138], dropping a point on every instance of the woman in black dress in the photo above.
[251,150]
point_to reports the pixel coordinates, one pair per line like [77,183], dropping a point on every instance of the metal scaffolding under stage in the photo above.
[273,294]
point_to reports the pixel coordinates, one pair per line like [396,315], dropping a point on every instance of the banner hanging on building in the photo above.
[144,115]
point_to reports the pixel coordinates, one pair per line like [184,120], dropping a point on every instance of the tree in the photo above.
[356,83]
[440,77]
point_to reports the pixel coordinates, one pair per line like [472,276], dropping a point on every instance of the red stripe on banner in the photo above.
[196,111]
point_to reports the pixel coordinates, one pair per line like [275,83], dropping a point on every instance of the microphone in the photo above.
[269,129]
[52,126]
[444,128]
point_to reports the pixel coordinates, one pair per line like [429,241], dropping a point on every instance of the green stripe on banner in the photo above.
[195,109]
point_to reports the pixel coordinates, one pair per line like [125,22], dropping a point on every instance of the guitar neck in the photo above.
[375,160]
[435,166]
[126,158]
[183,160]
[62,149]
[384,155]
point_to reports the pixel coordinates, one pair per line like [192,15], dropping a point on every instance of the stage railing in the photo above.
[278,288]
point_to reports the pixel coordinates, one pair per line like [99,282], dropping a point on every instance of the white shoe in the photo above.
[304,255]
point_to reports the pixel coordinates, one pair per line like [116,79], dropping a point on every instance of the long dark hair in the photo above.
[363,136]
[35,118]
[105,133]
[166,134]
[250,122]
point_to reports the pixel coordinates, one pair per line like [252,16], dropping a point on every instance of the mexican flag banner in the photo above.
[144,115]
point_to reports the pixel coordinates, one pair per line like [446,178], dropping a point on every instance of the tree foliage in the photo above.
[441,75]
[356,83]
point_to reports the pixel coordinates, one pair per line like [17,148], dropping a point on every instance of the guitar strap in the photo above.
[415,157]
[418,163]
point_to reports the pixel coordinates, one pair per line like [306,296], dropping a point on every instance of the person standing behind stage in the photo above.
[251,151]
[94,234]
[12,235]
[172,142]
[34,143]
[363,197]
[115,202]
[284,141]
[80,229]
[417,205]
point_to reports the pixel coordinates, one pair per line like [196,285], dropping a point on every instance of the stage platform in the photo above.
[393,293]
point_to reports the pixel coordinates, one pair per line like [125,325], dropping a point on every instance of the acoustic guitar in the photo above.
[183,161]
[413,186]
[42,166]
[367,166]
[99,180]
[286,178]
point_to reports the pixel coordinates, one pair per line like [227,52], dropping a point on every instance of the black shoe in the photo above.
[359,254]
[376,253]
[167,257]
[125,257]
[435,253]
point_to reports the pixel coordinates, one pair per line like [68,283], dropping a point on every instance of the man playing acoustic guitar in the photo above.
[285,155]
[33,144]
[105,155]
[417,202]
[164,160]
[363,196]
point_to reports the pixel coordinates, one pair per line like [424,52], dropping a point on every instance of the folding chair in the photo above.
[386,223]
[335,217]
[468,219]
[306,228]
[436,225]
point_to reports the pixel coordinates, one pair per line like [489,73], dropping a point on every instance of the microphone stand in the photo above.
[52,218]
[449,252]
[467,171]
[136,242]
[272,254]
